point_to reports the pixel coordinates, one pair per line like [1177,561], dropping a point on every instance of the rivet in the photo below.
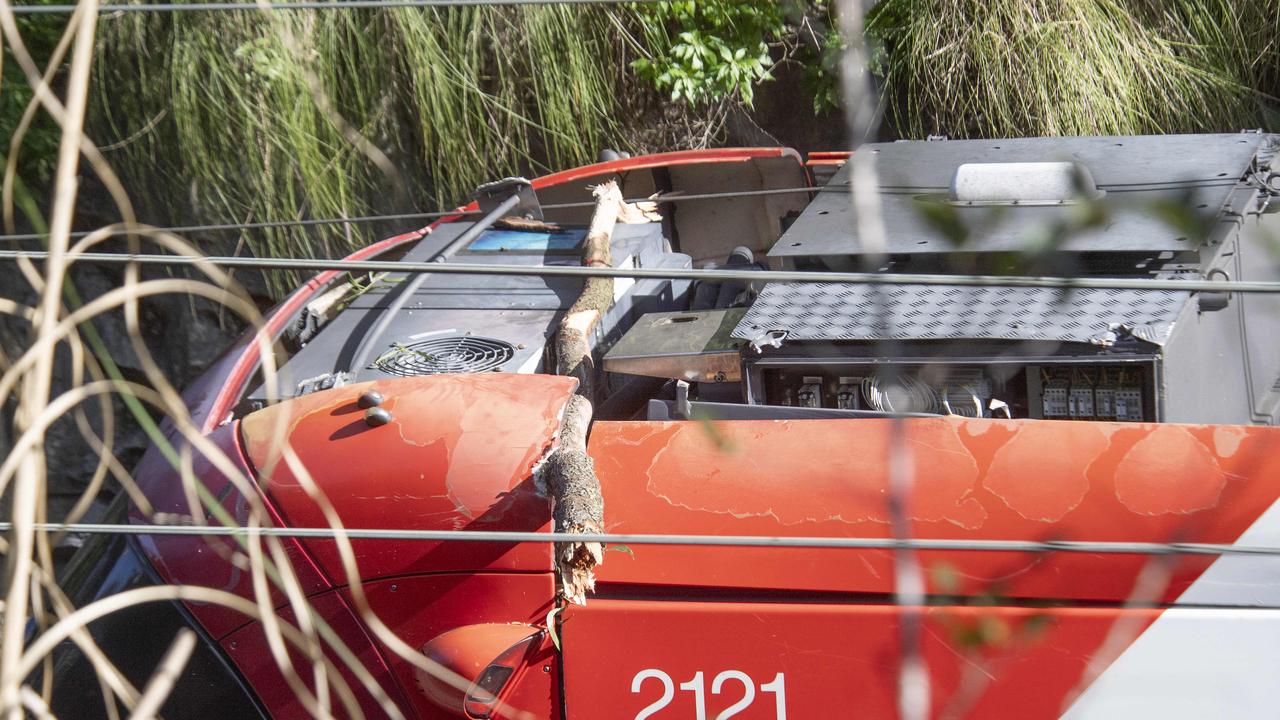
[369,399]
[377,416]
[395,588]
[546,668]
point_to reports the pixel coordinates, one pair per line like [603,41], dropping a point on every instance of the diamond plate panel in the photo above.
[832,311]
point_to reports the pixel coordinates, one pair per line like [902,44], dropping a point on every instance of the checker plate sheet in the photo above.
[834,311]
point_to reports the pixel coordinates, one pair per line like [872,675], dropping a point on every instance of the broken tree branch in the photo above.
[578,505]
[573,349]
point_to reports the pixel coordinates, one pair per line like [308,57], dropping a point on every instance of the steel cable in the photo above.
[333,5]
[437,214]
[1104,547]
[785,276]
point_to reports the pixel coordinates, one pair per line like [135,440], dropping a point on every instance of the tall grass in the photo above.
[968,68]
[213,114]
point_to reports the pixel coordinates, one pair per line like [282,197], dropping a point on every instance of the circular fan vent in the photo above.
[456,354]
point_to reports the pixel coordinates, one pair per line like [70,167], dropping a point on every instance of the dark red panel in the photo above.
[420,608]
[191,560]
[248,649]
[828,661]
[457,455]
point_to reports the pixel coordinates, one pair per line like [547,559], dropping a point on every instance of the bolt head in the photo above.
[377,417]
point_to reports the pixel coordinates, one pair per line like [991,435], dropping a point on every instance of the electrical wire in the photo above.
[435,215]
[849,543]
[912,394]
[962,410]
[748,276]
[238,227]
[332,5]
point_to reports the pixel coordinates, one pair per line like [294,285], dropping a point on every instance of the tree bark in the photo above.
[578,505]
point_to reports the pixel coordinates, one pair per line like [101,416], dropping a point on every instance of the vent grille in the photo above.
[455,354]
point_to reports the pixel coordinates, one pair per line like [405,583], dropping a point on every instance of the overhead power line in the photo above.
[268,224]
[786,276]
[845,543]
[333,5]
[265,225]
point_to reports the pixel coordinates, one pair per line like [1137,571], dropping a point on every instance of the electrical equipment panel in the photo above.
[1051,389]
[1088,353]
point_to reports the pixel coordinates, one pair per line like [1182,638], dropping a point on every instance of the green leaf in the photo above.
[621,549]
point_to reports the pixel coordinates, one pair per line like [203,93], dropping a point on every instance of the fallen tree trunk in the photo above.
[578,506]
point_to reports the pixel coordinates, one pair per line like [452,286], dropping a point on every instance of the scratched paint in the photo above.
[1227,438]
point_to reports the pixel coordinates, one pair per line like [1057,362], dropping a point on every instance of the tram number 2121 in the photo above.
[730,683]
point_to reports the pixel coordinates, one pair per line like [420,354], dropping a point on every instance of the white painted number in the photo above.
[697,686]
[748,695]
[668,691]
[779,690]
[699,694]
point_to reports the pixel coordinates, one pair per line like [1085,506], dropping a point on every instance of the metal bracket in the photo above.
[772,338]
[323,382]
[683,408]
[490,195]
[1214,301]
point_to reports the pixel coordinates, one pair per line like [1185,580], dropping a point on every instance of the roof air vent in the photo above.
[451,354]
[1022,183]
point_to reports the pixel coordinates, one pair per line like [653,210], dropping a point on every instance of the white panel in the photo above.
[1194,664]
[1199,662]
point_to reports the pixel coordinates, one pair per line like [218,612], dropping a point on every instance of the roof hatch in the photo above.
[1022,183]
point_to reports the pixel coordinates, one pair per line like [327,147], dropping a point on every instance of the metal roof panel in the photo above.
[1134,172]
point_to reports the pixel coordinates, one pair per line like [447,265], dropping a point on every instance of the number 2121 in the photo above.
[719,685]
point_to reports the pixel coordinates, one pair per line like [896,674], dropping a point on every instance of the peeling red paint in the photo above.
[851,486]
[1169,471]
[1227,439]
[973,479]
[1056,488]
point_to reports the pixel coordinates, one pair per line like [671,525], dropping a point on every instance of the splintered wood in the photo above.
[579,505]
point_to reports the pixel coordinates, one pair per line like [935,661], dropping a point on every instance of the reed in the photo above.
[213,113]
[992,68]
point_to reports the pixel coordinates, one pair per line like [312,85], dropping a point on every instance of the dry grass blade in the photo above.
[162,681]
[38,380]
[29,377]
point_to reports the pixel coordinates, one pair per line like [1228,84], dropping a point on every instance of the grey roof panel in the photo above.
[835,311]
[1134,172]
